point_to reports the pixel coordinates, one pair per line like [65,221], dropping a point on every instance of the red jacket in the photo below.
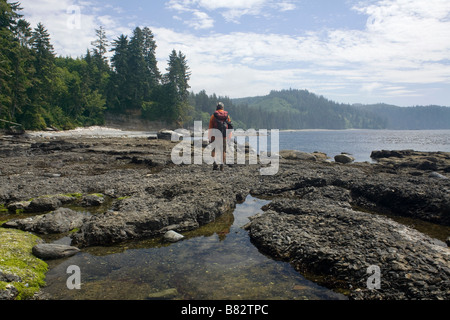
[213,125]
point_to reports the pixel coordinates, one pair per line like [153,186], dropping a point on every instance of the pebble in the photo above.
[173,236]
[164,294]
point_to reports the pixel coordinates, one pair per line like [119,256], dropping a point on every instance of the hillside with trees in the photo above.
[301,109]
[411,118]
[287,109]
[40,90]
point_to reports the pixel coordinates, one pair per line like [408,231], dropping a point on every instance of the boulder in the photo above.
[168,134]
[437,175]
[48,251]
[59,221]
[320,155]
[92,200]
[378,154]
[297,155]
[20,205]
[44,204]
[164,134]
[344,158]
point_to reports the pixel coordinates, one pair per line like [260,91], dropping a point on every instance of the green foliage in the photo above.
[38,89]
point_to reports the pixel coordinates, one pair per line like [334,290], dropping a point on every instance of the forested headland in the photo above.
[39,89]
[301,109]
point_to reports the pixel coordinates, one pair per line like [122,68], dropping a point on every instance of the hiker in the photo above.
[221,121]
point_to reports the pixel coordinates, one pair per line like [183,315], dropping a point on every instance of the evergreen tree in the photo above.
[98,62]
[118,94]
[143,74]
[137,70]
[178,75]
[44,62]
[38,111]
[23,69]
[176,88]
[9,55]
[101,43]
[154,76]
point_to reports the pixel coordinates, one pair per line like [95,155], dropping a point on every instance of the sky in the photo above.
[349,51]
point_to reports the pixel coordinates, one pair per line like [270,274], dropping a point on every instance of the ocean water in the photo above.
[361,143]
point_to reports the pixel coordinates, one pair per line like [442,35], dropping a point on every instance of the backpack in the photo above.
[221,122]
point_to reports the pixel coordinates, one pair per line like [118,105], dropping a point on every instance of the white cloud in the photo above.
[69,28]
[183,5]
[200,20]
[405,43]
[230,4]
[232,10]
[70,23]
[410,28]
[286,6]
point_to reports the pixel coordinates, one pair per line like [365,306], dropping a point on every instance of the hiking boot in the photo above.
[215,166]
[221,167]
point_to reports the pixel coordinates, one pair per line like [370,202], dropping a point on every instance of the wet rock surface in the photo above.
[150,195]
[315,221]
[48,251]
[318,218]
[410,159]
[324,238]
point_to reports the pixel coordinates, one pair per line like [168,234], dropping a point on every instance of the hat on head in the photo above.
[220,106]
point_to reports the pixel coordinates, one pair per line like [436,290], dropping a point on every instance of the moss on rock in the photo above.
[17,260]
[3,209]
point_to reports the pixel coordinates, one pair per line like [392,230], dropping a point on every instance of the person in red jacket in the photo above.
[221,121]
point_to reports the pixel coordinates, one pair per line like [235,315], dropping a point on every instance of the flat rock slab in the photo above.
[59,221]
[48,251]
[322,237]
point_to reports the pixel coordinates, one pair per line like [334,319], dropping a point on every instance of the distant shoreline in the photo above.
[318,130]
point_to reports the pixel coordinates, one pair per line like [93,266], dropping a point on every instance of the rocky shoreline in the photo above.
[318,218]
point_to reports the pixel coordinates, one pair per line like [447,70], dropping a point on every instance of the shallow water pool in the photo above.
[215,262]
